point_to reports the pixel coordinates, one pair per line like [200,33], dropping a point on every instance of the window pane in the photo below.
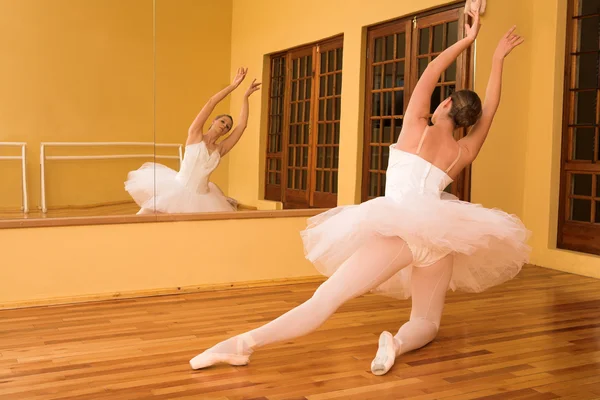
[336,157]
[323,68]
[378,49]
[330,85]
[302,75]
[586,71]
[452,33]
[597,187]
[336,132]
[389,47]
[387,103]
[400,45]
[587,34]
[588,7]
[301,91]
[321,134]
[329,134]
[326,181]
[331,62]
[581,210]
[422,65]
[424,41]
[320,157]
[375,131]
[339,57]
[334,181]
[583,144]
[338,108]
[438,38]
[329,109]
[400,74]
[338,84]
[377,77]
[581,184]
[375,157]
[322,86]
[450,74]
[597,212]
[295,69]
[376,105]
[387,131]
[585,107]
[388,79]
[399,102]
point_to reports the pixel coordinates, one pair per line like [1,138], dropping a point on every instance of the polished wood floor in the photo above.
[536,337]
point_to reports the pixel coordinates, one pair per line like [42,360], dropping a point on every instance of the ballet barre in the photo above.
[45,145]
[23,159]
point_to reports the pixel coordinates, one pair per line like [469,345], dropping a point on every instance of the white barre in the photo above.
[23,159]
[44,157]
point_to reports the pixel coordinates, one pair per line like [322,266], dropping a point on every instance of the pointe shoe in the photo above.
[386,355]
[207,359]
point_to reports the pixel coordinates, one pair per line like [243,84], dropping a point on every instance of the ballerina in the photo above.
[190,189]
[415,241]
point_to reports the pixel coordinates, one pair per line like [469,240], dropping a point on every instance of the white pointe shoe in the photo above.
[386,355]
[207,359]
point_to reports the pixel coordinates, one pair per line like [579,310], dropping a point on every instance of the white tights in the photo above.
[371,265]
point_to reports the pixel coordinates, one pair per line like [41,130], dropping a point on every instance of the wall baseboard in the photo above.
[158,292]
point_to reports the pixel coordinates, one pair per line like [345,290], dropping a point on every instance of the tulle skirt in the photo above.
[155,187]
[489,246]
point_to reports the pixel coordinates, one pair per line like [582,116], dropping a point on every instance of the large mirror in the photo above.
[122,108]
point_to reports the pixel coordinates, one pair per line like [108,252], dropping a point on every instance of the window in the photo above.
[579,218]
[397,55]
[303,133]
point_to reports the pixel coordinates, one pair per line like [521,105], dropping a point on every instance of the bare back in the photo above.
[434,145]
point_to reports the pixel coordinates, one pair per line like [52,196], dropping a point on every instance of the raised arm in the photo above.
[420,100]
[476,137]
[231,140]
[197,128]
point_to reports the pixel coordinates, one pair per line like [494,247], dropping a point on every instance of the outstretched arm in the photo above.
[420,99]
[231,140]
[197,128]
[476,137]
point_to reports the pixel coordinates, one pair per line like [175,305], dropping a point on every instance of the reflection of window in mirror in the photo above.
[303,132]
[398,53]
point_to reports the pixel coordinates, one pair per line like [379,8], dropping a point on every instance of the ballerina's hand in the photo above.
[241,75]
[471,31]
[254,86]
[508,42]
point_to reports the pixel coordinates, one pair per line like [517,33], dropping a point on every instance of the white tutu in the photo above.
[155,187]
[489,246]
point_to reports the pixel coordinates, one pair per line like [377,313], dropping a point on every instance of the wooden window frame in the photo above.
[577,235]
[293,198]
[410,26]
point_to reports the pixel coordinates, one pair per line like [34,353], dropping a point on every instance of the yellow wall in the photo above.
[518,169]
[49,263]
[84,71]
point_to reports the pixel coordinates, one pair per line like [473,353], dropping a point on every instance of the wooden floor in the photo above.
[536,337]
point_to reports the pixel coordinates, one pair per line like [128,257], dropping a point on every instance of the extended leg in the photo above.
[372,264]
